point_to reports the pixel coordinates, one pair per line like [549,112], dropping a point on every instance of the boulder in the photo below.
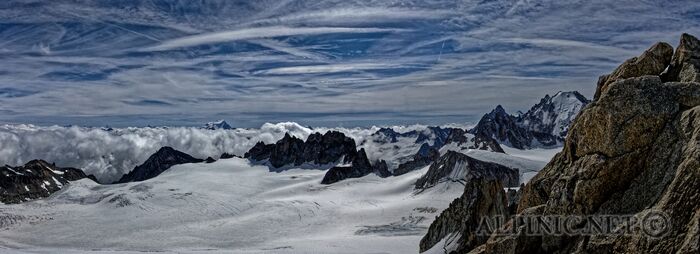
[652,62]
[685,65]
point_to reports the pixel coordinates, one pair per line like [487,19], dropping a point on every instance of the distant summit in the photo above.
[545,124]
[221,124]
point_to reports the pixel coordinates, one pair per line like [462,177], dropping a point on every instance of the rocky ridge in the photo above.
[633,151]
[458,167]
[158,163]
[331,148]
[36,179]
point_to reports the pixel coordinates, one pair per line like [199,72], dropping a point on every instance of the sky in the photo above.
[319,63]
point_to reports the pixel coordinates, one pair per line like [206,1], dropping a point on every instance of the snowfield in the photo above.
[232,206]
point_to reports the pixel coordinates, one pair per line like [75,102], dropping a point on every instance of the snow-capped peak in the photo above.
[221,124]
[554,114]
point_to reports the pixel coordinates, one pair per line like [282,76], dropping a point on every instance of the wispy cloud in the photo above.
[257,33]
[357,62]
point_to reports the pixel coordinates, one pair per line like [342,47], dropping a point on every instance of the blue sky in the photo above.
[319,63]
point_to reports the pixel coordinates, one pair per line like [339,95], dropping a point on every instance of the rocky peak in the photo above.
[287,150]
[331,147]
[546,123]
[36,179]
[221,124]
[259,152]
[685,64]
[158,163]
[549,120]
[503,127]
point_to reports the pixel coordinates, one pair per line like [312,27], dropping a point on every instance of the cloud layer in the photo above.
[329,63]
[110,153]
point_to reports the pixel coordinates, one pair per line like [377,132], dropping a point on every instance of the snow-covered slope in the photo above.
[233,206]
[553,115]
[230,205]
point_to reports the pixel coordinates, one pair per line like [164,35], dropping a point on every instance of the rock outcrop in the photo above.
[359,167]
[685,64]
[381,169]
[318,149]
[652,62]
[634,151]
[227,156]
[330,148]
[458,167]
[158,163]
[482,198]
[36,179]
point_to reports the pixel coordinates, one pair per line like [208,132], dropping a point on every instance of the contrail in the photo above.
[440,55]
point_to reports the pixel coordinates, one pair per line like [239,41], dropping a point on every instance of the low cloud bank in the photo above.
[108,154]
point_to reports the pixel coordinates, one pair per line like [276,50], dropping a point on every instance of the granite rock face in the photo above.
[36,179]
[458,167]
[158,163]
[633,151]
[652,62]
[685,65]
[482,198]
